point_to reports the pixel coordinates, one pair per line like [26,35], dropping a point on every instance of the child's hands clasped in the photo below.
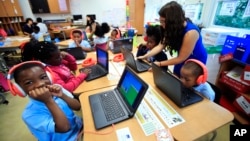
[55,90]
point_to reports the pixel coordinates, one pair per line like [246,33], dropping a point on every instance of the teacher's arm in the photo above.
[153,52]
[187,47]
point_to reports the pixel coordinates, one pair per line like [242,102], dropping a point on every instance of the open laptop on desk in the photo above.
[136,65]
[119,104]
[172,87]
[101,68]
[77,52]
[123,42]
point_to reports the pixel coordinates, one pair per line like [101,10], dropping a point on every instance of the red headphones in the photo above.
[202,78]
[15,89]
[118,33]
[88,62]
[71,34]
[118,57]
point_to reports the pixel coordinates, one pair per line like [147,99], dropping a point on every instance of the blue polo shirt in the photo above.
[41,124]
[83,43]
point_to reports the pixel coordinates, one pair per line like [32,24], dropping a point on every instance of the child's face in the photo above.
[151,43]
[33,78]
[56,59]
[113,34]
[187,78]
[77,37]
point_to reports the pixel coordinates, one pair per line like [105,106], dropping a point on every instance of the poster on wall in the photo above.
[194,11]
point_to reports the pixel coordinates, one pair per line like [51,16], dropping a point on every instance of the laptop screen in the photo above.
[125,43]
[131,88]
[102,57]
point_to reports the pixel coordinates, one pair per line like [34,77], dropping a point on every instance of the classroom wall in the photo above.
[111,11]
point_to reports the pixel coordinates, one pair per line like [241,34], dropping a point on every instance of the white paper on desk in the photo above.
[124,134]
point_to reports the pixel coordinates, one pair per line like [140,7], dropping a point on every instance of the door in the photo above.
[136,15]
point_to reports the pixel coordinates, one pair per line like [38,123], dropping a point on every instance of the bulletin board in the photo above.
[233,13]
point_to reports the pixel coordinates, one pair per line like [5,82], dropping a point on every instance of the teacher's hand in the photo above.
[141,57]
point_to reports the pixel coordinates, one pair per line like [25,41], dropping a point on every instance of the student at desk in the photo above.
[37,34]
[78,37]
[62,64]
[3,34]
[100,40]
[194,76]
[49,114]
[153,38]
[178,34]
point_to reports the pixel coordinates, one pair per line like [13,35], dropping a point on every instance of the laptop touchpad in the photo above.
[95,107]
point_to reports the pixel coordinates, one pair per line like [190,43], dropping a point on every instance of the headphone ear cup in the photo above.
[200,80]
[49,74]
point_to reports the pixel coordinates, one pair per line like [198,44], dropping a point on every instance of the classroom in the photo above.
[179,68]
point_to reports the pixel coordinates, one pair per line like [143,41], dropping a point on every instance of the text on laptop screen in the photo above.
[102,58]
[130,88]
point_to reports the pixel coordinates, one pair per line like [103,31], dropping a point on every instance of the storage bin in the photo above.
[216,36]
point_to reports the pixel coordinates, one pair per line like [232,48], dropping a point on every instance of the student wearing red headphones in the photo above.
[49,114]
[78,37]
[193,74]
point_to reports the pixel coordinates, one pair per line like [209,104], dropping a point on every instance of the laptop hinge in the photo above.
[123,103]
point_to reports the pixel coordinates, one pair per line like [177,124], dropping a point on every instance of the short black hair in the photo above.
[154,32]
[36,28]
[28,19]
[39,20]
[23,67]
[77,31]
[194,67]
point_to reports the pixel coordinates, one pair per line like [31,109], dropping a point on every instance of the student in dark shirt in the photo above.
[153,38]
[28,27]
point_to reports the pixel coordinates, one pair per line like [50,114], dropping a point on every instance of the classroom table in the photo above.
[64,44]
[12,43]
[200,118]
[110,79]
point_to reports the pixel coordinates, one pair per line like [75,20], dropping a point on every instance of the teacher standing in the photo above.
[178,34]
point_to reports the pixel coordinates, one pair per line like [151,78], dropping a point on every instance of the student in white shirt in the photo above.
[42,26]
[79,41]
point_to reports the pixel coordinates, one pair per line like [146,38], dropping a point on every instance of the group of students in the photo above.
[35,31]
[49,113]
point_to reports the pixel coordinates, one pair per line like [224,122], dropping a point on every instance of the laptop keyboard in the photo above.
[111,106]
[141,66]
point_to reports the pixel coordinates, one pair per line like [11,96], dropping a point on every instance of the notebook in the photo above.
[172,87]
[136,65]
[77,52]
[120,103]
[123,42]
[100,69]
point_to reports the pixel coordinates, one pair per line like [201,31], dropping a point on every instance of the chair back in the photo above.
[102,46]
[217,92]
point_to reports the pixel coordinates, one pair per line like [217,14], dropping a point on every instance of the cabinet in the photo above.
[229,94]
[39,6]
[59,6]
[136,15]
[50,6]
[10,16]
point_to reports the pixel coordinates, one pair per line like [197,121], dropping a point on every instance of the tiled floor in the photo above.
[12,127]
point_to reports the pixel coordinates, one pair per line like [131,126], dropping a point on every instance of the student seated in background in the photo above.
[62,64]
[91,24]
[3,34]
[28,27]
[78,37]
[194,75]
[37,34]
[153,38]
[100,40]
[49,114]
[43,27]
[115,34]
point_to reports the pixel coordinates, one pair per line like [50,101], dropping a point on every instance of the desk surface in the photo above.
[200,118]
[14,42]
[109,80]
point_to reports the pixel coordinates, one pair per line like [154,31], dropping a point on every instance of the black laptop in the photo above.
[136,65]
[172,87]
[120,103]
[101,68]
[123,42]
[77,52]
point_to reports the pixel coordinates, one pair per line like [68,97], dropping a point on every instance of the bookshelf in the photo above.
[11,16]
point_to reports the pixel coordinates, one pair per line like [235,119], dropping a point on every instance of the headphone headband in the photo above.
[202,78]
[71,34]
[15,89]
